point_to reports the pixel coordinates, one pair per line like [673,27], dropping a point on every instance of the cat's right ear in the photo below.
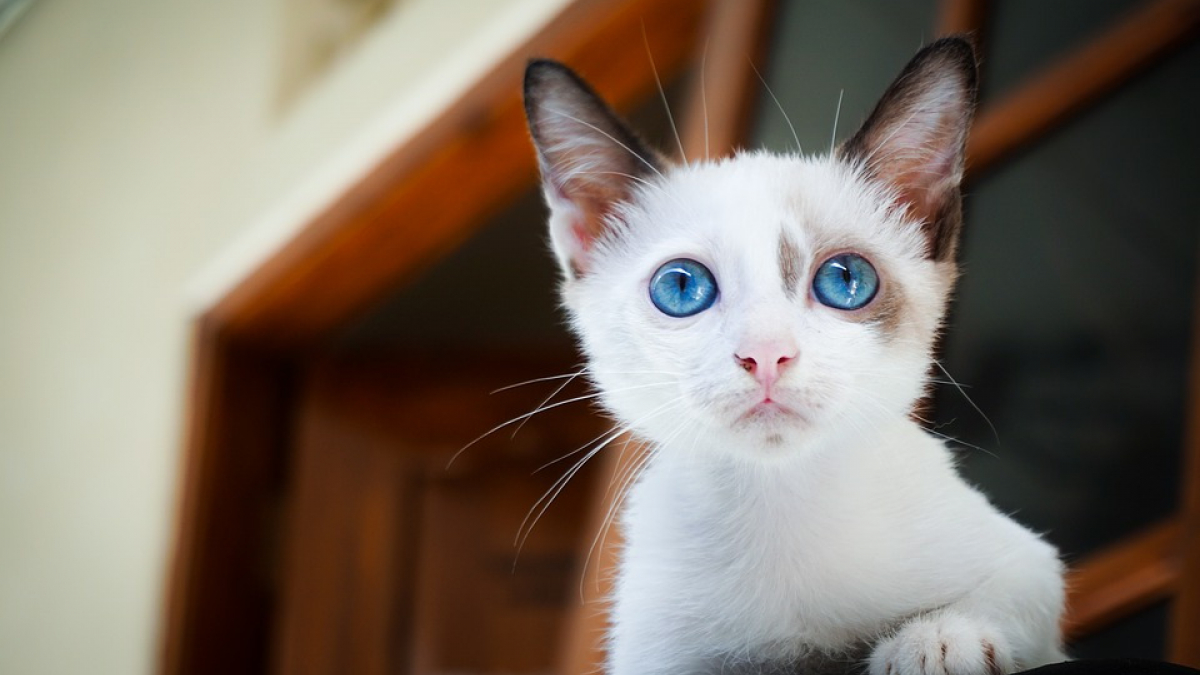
[915,140]
[589,158]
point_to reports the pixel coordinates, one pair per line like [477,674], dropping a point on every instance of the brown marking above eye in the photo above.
[886,311]
[789,264]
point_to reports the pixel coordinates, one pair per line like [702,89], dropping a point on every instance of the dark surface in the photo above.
[1113,667]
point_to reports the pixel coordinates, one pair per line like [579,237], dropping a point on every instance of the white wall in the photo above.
[143,168]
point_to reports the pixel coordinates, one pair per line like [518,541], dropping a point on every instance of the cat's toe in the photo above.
[943,645]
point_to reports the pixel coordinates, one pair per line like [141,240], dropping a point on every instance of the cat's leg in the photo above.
[1009,622]
[651,632]
[637,648]
[942,643]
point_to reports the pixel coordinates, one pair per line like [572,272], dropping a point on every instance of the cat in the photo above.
[766,323]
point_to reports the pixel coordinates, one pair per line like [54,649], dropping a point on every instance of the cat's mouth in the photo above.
[771,411]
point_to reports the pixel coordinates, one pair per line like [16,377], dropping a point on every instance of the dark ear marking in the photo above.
[915,139]
[589,158]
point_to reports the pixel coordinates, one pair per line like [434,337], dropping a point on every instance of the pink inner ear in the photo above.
[581,235]
[923,177]
[576,246]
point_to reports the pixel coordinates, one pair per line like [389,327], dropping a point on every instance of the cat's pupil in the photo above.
[682,281]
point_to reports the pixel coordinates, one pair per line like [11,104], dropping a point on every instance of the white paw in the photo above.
[943,645]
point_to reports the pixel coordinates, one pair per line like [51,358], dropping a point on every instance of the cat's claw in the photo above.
[943,645]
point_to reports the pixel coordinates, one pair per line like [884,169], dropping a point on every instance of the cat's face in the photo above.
[757,303]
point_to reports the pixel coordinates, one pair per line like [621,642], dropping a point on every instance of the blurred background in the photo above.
[263,263]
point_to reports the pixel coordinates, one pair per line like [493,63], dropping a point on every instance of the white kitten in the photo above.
[766,323]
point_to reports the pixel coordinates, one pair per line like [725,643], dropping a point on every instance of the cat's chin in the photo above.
[772,429]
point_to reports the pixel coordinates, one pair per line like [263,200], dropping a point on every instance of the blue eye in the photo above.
[845,281]
[682,288]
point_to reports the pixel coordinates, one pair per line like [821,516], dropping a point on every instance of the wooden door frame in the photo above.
[397,221]
[380,234]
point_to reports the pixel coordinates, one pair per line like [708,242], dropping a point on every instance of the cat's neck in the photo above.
[749,475]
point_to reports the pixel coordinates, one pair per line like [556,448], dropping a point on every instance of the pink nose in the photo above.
[765,362]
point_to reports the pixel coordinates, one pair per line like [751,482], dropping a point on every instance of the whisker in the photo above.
[546,400]
[963,391]
[544,408]
[549,378]
[615,431]
[625,481]
[637,179]
[560,484]
[613,508]
[545,500]
[704,96]
[662,94]
[836,115]
[779,105]
[609,136]
[959,441]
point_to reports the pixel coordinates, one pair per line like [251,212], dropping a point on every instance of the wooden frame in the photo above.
[1163,561]
[220,607]
[393,224]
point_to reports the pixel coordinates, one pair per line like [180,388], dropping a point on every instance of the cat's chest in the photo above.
[771,567]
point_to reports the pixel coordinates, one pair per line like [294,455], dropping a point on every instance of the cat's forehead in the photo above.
[760,202]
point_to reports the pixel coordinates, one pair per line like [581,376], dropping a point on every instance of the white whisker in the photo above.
[836,115]
[779,105]
[549,378]
[609,136]
[704,97]
[663,94]
[963,391]
[543,408]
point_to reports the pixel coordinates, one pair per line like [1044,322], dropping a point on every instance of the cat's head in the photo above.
[760,303]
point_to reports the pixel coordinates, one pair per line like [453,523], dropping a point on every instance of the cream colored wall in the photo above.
[144,168]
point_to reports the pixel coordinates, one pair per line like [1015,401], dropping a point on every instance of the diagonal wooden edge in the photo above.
[1184,640]
[963,17]
[431,193]
[1122,579]
[1080,79]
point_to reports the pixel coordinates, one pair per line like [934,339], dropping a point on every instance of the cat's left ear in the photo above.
[915,140]
[591,161]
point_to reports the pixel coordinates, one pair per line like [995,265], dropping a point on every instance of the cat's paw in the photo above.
[944,644]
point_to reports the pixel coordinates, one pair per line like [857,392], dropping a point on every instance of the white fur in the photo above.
[771,539]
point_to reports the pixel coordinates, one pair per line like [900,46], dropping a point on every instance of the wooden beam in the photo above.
[1118,581]
[1184,639]
[1080,79]
[430,194]
[721,102]
[219,598]
[958,17]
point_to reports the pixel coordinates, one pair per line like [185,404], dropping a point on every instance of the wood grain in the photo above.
[397,562]
[348,573]
[220,598]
